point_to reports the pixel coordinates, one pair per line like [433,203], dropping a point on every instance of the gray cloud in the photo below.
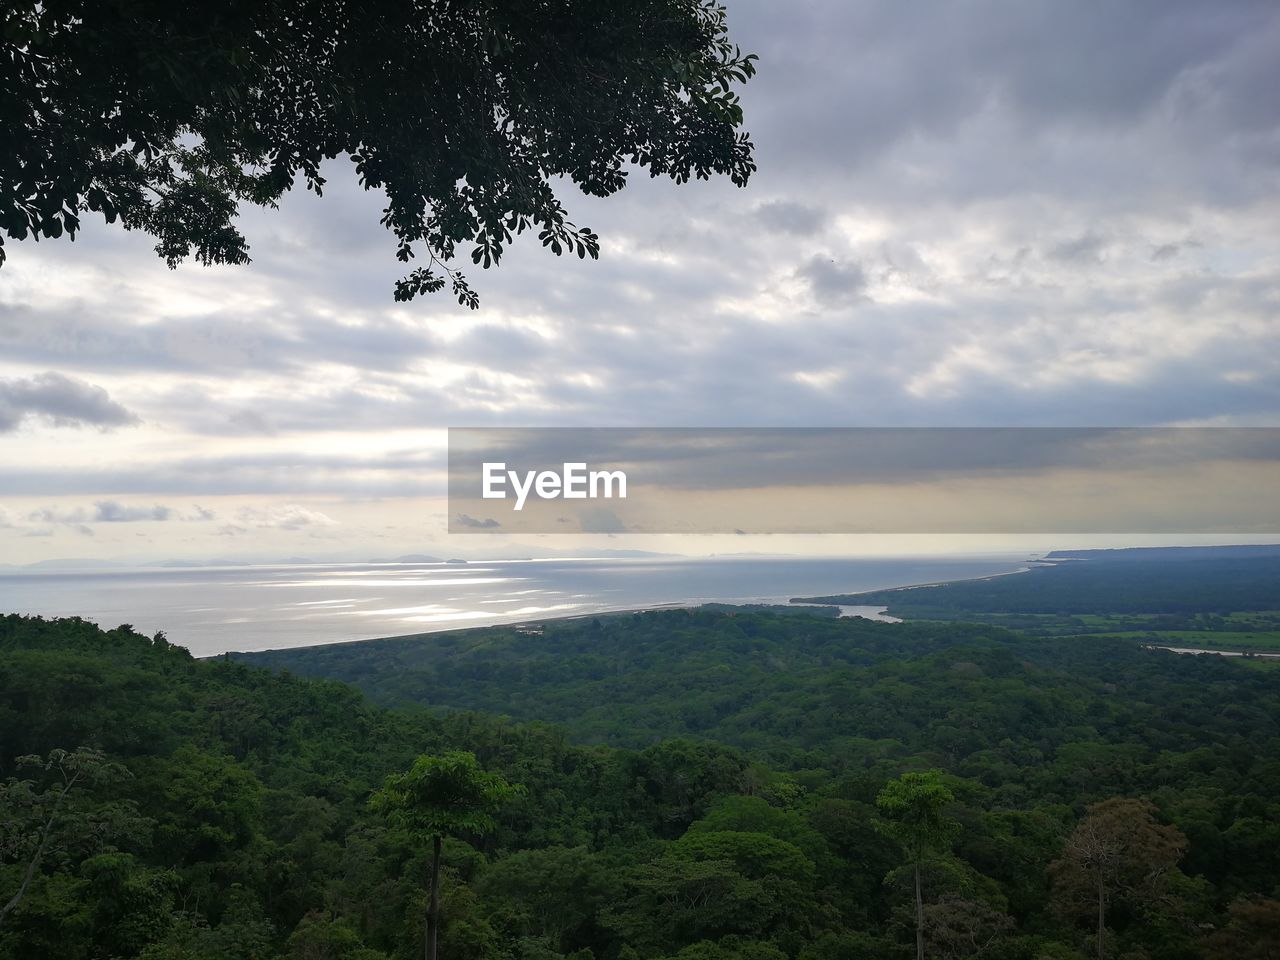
[1086,248]
[395,473]
[249,422]
[287,340]
[53,515]
[733,458]
[853,83]
[981,214]
[792,217]
[488,523]
[834,282]
[601,520]
[111,511]
[61,400]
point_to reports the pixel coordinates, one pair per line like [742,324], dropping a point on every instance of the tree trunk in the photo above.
[433,906]
[919,918]
[34,864]
[1102,914]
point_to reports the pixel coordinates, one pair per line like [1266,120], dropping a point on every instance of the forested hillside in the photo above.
[1135,581]
[217,810]
[1218,597]
[849,692]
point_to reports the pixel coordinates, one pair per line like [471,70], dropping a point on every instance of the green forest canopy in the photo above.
[234,822]
[1222,597]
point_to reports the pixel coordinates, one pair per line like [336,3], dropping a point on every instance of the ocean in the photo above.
[212,610]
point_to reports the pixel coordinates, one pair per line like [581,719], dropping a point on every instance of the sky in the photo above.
[1011,213]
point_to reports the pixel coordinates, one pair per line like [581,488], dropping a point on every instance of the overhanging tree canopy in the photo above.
[167,115]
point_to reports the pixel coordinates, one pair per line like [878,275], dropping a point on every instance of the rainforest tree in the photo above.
[914,807]
[442,796]
[1118,849]
[165,117]
[39,818]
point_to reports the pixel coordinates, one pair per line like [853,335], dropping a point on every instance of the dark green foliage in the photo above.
[775,609]
[438,797]
[443,796]
[915,810]
[239,827]
[1033,720]
[167,116]
[1182,582]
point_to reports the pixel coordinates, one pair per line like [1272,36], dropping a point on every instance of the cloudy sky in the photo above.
[967,214]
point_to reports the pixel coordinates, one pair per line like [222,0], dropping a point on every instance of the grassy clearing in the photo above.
[1259,642]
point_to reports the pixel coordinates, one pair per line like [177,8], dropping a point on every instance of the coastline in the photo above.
[824,599]
[536,622]
[1202,651]
[845,603]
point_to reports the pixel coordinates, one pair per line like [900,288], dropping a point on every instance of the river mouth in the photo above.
[1200,651]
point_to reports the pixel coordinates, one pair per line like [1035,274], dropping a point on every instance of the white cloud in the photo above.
[286,516]
[996,214]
